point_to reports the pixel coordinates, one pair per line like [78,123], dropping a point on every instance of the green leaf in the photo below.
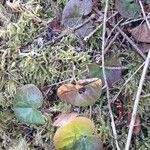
[113,75]
[27,100]
[29,115]
[28,95]
[128,8]
[66,136]
[88,143]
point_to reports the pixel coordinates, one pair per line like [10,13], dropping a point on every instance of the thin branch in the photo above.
[144,15]
[98,27]
[121,88]
[132,43]
[137,99]
[105,78]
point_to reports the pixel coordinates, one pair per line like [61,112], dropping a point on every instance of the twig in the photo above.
[116,96]
[104,74]
[111,42]
[142,8]
[134,20]
[132,43]
[69,30]
[98,27]
[137,99]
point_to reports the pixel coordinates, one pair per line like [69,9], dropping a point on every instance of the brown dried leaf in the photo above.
[141,33]
[83,93]
[137,125]
[64,118]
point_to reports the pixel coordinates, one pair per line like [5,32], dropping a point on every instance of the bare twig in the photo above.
[121,88]
[132,43]
[98,27]
[137,99]
[142,8]
[111,42]
[134,20]
[105,78]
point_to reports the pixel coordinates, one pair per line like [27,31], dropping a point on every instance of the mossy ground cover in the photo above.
[23,61]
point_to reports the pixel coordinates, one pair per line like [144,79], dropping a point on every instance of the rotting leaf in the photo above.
[27,100]
[141,33]
[73,15]
[128,8]
[113,75]
[67,136]
[64,118]
[83,93]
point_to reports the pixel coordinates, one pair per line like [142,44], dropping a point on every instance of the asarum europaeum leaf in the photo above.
[128,8]
[83,93]
[67,137]
[27,100]
[92,142]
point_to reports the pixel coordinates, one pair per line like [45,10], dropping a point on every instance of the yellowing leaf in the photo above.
[84,93]
[67,135]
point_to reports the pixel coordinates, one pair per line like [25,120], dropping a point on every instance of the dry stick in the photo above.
[104,74]
[116,96]
[132,43]
[111,42]
[137,99]
[98,27]
[113,30]
[142,8]
[134,20]
[69,30]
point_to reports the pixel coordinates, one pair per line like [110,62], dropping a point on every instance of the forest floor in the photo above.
[49,43]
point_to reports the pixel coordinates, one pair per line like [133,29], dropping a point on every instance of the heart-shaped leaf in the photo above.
[29,115]
[113,75]
[128,8]
[88,143]
[83,93]
[73,15]
[66,136]
[27,100]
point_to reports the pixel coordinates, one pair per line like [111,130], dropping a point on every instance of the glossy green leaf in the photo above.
[27,100]
[128,8]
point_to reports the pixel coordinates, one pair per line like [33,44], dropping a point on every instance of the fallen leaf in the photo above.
[144,47]
[128,8]
[120,108]
[64,118]
[83,93]
[55,25]
[137,125]
[73,15]
[141,33]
